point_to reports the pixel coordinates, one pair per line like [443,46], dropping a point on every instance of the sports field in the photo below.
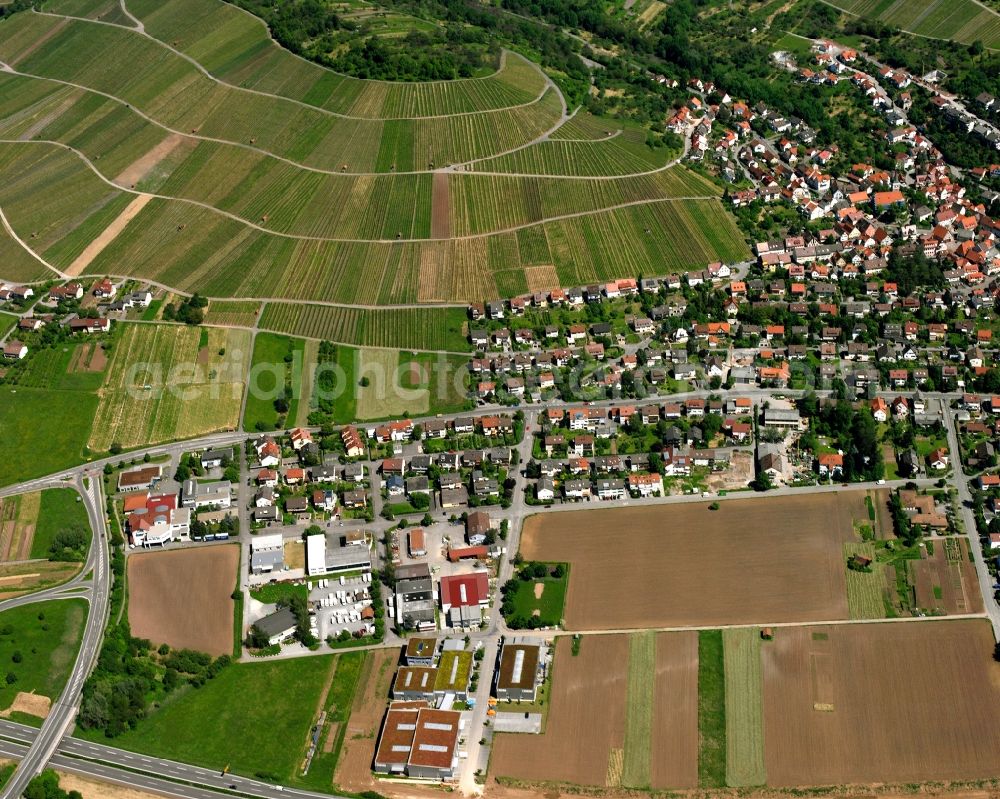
[750,561]
[162,384]
[905,702]
[182,598]
[960,20]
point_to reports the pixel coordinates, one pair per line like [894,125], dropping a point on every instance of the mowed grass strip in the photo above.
[639,709]
[865,590]
[711,710]
[744,707]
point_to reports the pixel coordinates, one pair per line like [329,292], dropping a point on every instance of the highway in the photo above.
[140,771]
[96,592]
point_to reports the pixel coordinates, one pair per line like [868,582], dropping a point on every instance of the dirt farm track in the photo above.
[748,562]
[183,597]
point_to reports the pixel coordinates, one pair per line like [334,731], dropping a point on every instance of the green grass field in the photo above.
[254,717]
[60,508]
[712,748]
[636,771]
[744,707]
[38,645]
[62,419]
[269,369]
[7,322]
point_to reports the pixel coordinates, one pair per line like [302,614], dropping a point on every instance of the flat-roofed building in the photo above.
[520,671]
[421,651]
[267,553]
[414,682]
[315,555]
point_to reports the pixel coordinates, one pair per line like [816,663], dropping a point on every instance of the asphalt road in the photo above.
[95,591]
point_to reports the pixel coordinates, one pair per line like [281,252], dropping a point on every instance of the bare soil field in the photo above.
[94,789]
[586,720]
[109,234]
[182,598]
[32,704]
[753,561]
[905,702]
[143,165]
[675,714]
[354,766]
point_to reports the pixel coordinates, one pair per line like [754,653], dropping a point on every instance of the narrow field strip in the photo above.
[744,708]
[96,247]
[636,768]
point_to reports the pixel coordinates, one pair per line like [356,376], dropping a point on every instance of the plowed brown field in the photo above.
[354,768]
[904,702]
[753,561]
[586,718]
[183,597]
[675,713]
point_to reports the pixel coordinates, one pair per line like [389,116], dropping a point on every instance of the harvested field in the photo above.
[586,719]
[354,766]
[182,598]
[750,562]
[906,702]
[675,714]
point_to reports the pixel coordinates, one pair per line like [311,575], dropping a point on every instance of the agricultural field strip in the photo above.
[744,707]
[969,28]
[9,70]
[547,83]
[187,98]
[300,237]
[20,242]
[228,40]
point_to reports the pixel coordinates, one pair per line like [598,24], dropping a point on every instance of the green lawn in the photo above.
[711,710]
[549,605]
[275,592]
[254,717]
[60,508]
[7,321]
[55,427]
[269,366]
[38,645]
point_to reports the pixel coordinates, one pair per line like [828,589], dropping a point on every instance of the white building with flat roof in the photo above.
[315,555]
